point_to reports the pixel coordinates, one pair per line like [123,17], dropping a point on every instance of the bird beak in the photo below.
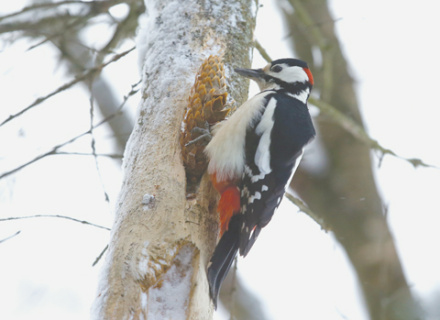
[254,74]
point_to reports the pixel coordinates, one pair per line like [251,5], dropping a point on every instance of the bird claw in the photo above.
[204,134]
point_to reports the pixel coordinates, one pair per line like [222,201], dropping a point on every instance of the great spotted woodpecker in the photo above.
[253,155]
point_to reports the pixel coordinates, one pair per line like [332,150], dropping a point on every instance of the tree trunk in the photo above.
[161,241]
[344,194]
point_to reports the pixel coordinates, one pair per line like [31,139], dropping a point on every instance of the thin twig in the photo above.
[54,150]
[41,156]
[10,237]
[55,216]
[91,72]
[262,51]
[108,155]
[50,152]
[93,147]
[67,27]
[359,133]
[45,5]
[304,208]
[97,7]
[124,29]
[100,256]
[36,27]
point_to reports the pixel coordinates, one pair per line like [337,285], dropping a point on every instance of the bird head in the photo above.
[292,75]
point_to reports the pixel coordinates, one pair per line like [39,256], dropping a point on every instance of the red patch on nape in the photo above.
[309,74]
[228,205]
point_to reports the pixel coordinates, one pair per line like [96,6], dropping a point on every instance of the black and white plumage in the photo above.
[257,150]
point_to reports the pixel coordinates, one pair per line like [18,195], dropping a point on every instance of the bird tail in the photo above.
[223,256]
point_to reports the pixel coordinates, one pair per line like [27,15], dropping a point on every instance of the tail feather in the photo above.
[223,256]
[247,240]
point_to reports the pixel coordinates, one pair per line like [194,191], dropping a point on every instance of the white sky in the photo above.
[46,270]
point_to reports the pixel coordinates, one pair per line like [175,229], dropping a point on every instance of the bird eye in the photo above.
[276,68]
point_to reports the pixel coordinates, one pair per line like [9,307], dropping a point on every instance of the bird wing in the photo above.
[272,154]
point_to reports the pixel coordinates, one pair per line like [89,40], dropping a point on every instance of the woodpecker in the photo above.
[253,156]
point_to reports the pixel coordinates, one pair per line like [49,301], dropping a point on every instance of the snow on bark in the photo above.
[161,242]
[169,299]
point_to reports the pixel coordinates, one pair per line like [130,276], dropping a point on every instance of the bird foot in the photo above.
[203,135]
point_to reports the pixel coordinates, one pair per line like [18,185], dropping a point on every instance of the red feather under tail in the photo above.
[229,203]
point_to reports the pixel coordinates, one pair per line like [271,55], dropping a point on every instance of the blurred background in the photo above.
[69,84]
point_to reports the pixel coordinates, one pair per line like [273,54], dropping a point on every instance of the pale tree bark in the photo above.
[161,241]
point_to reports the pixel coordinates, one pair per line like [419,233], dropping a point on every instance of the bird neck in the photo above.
[298,92]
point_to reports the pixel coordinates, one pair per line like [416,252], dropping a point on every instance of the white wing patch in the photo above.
[264,128]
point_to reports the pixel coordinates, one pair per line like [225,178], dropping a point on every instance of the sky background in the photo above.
[296,269]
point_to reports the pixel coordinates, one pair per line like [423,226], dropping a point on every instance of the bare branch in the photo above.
[125,28]
[100,256]
[108,155]
[48,153]
[93,147]
[359,133]
[46,5]
[50,37]
[90,73]
[10,237]
[262,51]
[304,208]
[35,26]
[54,150]
[56,216]
[61,27]
[95,8]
